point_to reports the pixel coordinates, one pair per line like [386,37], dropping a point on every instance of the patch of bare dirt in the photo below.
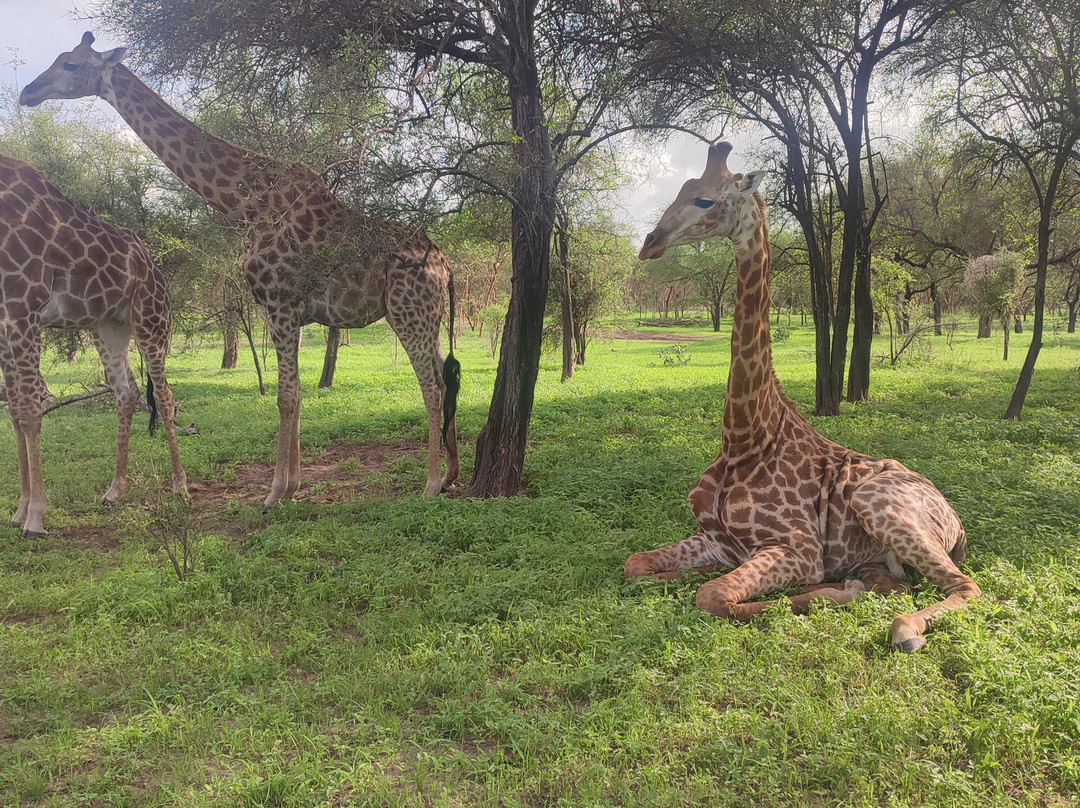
[342,472]
[102,538]
[652,336]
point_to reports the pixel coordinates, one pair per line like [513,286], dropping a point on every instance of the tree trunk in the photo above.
[500,446]
[935,298]
[580,342]
[562,250]
[986,323]
[333,340]
[1018,325]
[258,364]
[230,332]
[859,242]
[1072,318]
[1016,404]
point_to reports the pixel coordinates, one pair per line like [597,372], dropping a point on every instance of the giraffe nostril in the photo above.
[649,239]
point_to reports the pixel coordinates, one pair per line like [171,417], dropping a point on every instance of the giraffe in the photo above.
[62,267]
[291,214]
[782,506]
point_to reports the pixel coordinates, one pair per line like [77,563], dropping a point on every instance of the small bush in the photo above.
[674,356]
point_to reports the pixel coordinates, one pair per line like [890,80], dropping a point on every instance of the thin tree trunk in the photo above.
[231,334]
[863,334]
[333,340]
[936,300]
[561,241]
[1027,371]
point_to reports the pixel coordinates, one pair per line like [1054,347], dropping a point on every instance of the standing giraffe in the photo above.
[782,505]
[291,214]
[62,267]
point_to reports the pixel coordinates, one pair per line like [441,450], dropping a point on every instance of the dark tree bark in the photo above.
[562,251]
[333,340]
[1046,212]
[231,334]
[500,446]
[935,298]
[986,324]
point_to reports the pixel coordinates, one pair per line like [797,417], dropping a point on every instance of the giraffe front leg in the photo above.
[24,384]
[19,519]
[32,503]
[287,466]
[695,555]
[771,569]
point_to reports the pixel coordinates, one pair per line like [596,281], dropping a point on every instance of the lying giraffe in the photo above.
[292,215]
[783,506]
[62,267]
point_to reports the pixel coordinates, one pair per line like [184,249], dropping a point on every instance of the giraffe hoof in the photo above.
[911,645]
[34,534]
[107,503]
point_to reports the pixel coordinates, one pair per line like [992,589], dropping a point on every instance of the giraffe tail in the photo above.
[451,369]
[151,402]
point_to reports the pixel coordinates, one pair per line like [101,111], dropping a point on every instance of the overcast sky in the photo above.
[35,32]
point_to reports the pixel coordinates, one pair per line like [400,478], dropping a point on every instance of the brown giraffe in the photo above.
[62,267]
[290,212]
[783,506]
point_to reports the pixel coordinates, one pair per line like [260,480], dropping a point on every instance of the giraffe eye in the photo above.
[70,66]
[703,202]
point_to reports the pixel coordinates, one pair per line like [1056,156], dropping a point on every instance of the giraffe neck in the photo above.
[240,183]
[752,406]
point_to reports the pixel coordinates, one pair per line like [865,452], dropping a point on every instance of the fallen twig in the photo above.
[60,402]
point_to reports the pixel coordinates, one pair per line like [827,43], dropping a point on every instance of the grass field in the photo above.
[363,646]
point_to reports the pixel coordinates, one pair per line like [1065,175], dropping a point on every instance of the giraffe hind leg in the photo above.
[909,516]
[112,342]
[419,337]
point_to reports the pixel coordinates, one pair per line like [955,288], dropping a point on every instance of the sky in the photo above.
[35,32]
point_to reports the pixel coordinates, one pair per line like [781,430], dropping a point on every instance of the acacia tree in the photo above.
[805,71]
[1016,75]
[562,73]
[944,207]
[995,284]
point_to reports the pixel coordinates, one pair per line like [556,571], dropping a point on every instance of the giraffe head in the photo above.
[718,203]
[79,72]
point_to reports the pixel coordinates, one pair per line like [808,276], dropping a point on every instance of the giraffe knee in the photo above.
[716,601]
[965,589]
[639,565]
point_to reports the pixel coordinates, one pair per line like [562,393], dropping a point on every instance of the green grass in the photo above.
[391,650]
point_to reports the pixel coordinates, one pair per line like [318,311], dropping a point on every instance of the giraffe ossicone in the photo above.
[290,214]
[783,506]
[62,267]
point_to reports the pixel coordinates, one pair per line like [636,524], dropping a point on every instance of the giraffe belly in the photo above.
[343,306]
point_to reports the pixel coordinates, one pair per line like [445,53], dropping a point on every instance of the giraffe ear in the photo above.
[750,182]
[87,39]
[113,57]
